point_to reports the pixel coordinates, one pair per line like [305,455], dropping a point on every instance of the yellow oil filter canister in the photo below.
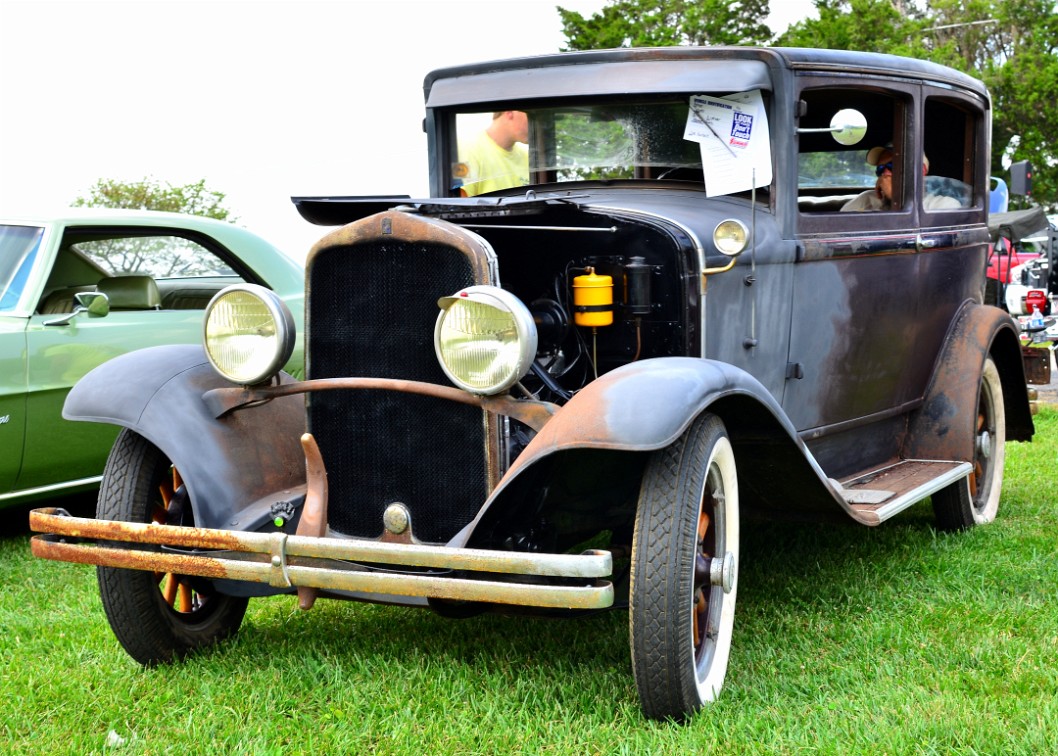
[592,299]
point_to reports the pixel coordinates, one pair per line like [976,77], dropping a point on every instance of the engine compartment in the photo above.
[603,291]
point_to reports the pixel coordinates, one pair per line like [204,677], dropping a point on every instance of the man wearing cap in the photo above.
[881,197]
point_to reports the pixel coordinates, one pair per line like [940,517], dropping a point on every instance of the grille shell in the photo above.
[371,311]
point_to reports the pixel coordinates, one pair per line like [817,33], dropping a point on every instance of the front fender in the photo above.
[227,463]
[647,405]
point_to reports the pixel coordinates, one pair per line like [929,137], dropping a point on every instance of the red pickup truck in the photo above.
[1007,251]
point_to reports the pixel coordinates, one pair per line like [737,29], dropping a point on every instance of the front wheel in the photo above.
[156,616]
[684,572]
[975,501]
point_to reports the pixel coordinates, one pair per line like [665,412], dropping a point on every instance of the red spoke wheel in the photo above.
[156,617]
[975,500]
[684,572]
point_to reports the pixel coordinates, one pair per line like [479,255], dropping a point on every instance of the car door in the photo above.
[855,316]
[877,287]
[61,349]
[58,356]
[951,198]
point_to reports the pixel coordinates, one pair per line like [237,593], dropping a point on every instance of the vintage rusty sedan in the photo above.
[651,291]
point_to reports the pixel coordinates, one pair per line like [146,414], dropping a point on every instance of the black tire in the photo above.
[975,500]
[157,617]
[684,572]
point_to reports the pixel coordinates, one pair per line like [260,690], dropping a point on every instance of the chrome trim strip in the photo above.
[54,487]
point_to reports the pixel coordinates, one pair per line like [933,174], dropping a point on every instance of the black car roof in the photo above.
[640,70]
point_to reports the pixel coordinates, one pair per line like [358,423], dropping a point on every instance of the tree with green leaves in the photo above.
[1011,45]
[161,254]
[663,23]
[150,194]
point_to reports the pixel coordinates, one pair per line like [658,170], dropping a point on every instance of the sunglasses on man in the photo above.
[878,171]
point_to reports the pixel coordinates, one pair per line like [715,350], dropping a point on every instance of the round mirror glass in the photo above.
[848,126]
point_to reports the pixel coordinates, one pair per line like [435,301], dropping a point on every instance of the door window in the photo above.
[865,177]
[949,136]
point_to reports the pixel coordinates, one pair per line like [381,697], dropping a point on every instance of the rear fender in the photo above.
[944,426]
[647,405]
[232,466]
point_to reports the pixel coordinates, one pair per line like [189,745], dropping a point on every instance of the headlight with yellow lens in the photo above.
[248,334]
[730,237]
[485,339]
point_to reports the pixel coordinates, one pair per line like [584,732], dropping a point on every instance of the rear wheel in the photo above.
[684,572]
[156,616]
[975,501]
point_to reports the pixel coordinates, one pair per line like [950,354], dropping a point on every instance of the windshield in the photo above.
[18,250]
[669,138]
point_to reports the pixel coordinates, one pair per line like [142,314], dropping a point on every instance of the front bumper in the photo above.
[568,581]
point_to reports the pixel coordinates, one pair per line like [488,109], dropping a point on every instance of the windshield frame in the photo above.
[21,246]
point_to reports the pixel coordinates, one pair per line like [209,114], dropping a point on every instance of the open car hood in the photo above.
[337,211]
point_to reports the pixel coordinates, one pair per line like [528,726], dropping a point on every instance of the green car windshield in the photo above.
[18,251]
[598,141]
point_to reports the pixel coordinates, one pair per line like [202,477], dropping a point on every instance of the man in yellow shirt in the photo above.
[498,158]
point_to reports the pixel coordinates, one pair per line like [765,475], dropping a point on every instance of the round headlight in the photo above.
[485,339]
[730,237]
[248,334]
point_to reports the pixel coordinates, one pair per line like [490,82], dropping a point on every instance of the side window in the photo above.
[863,177]
[949,136]
[151,268]
[160,256]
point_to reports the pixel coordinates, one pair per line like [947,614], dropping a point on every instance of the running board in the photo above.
[876,496]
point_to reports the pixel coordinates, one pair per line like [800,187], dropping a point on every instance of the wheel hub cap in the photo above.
[722,572]
[984,444]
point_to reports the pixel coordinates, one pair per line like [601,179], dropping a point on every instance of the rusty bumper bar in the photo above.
[285,561]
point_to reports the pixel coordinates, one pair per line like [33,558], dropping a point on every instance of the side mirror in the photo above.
[848,126]
[95,304]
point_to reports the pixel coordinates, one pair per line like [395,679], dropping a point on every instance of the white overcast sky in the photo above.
[263,99]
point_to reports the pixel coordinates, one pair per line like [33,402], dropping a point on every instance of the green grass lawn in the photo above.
[897,639]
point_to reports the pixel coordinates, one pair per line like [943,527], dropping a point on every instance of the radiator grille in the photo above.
[371,312]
